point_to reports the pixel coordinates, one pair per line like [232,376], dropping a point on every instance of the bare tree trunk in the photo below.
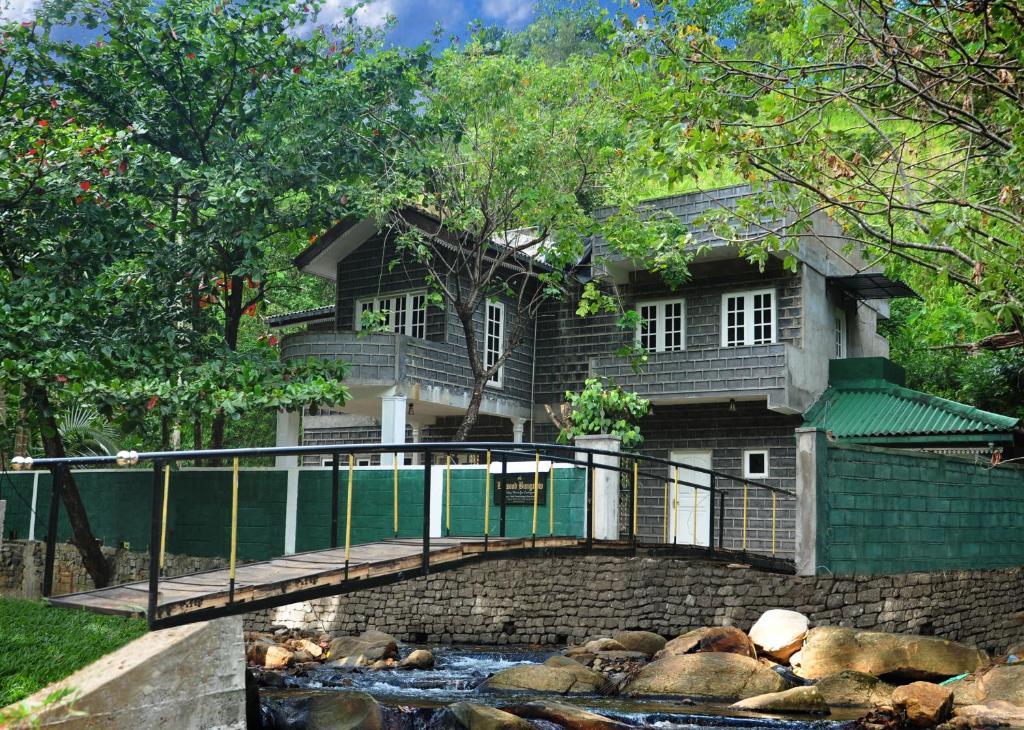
[472,412]
[53,446]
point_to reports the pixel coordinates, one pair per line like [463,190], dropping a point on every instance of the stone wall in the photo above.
[22,561]
[555,600]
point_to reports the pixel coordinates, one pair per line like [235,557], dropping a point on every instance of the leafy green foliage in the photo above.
[605,409]
[43,644]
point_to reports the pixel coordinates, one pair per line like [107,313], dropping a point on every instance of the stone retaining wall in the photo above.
[555,600]
[22,561]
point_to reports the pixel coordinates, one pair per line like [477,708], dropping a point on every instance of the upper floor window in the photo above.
[661,325]
[405,314]
[840,334]
[494,337]
[748,318]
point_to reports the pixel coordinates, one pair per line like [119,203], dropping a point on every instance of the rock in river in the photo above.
[797,701]
[778,633]
[725,639]
[1003,683]
[480,717]
[572,718]
[562,679]
[831,649]
[362,650]
[854,689]
[710,675]
[644,641]
[925,704]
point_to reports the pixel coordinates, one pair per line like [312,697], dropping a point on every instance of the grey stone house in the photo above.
[736,356]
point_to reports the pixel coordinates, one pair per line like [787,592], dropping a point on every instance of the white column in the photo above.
[392,424]
[517,429]
[606,484]
[416,439]
[288,435]
[810,460]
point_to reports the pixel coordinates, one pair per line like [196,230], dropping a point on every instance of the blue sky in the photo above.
[416,18]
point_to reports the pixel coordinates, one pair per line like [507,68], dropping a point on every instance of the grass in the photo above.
[40,644]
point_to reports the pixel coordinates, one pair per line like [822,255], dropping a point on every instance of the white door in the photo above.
[689,507]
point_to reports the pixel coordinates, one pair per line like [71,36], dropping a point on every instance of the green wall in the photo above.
[199,508]
[894,511]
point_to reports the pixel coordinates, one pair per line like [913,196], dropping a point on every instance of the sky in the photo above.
[416,18]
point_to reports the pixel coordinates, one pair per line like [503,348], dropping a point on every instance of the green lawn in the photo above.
[40,644]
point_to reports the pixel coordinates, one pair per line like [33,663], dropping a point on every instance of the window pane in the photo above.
[418,326]
[493,338]
[735,315]
[840,335]
[762,314]
[649,327]
[398,314]
[673,326]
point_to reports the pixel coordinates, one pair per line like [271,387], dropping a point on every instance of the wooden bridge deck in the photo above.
[292,578]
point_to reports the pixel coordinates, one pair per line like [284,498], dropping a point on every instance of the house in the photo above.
[737,355]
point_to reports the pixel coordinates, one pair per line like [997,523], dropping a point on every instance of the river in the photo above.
[412,697]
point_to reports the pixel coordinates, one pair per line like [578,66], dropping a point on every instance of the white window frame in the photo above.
[747,474]
[499,377]
[415,317]
[748,317]
[840,336]
[660,308]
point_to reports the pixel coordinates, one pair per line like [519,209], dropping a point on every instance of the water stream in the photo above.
[412,696]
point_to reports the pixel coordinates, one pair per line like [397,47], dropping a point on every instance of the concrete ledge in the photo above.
[185,677]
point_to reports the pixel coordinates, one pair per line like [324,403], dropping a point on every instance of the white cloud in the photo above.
[508,12]
[18,9]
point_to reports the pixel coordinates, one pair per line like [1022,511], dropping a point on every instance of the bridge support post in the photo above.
[427,463]
[605,477]
[155,513]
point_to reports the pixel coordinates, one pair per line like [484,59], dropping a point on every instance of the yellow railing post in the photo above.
[348,511]
[551,501]
[773,523]
[675,504]
[745,489]
[396,495]
[234,530]
[487,496]
[636,493]
[448,495]
[163,519]
[536,490]
[664,521]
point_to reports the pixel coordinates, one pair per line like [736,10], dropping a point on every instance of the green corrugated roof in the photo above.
[855,406]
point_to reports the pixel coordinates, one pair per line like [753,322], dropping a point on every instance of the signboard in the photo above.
[519,488]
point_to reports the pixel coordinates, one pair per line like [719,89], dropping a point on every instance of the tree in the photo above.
[515,156]
[77,301]
[897,120]
[262,127]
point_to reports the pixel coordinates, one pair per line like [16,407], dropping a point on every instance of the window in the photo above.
[748,318]
[364,460]
[755,464]
[493,339]
[661,327]
[840,334]
[406,313]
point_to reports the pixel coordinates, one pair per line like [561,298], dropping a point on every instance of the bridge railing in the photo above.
[727,512]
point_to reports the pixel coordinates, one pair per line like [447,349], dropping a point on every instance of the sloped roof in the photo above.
[303,315]
[867,401]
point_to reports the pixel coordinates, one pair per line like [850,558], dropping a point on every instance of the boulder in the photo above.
[644,641]
[710,675]
[779,633]
[567,716]
[603,644]
[540,678]
[832,649]
[727,639]
[310,647]
[344,711]
[277,657]
[362,650]
[418,659]
[854,689]
[1004,682]
[480,717]
[558,660]
[993,714]
[797,701]
[925,704]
